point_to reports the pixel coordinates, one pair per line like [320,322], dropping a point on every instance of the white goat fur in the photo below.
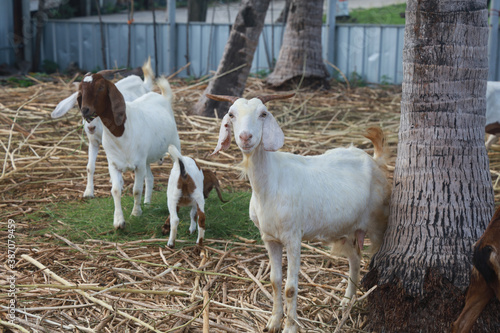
[492,111]
[176,197]
[149,129]
[131,87]
[334,198]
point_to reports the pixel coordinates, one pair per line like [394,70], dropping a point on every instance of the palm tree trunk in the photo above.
[301,52]
[236,61]
[442,196]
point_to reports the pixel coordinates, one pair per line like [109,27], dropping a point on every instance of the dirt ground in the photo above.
[142,286]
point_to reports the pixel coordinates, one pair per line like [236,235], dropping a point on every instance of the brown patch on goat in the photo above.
[290,292]
[376,136]
[187,186]
[493,128]
[210,182]
[485,278]
[165,230]
[101,98]
[201,217]
[166,226]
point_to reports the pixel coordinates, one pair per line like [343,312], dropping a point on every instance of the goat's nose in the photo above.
[245,136]
[85,111]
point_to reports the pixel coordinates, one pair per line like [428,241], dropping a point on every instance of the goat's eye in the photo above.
[100,88]
[231,115]
[263,115]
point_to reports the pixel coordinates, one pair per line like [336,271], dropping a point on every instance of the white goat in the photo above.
[335,198]
[185,188]
[131,87]
[135,134]
[492,112]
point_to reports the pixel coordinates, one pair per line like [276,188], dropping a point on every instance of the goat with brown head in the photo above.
[135,134]
[98,97]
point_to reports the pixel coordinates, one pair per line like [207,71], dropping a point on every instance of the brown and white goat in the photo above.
[188,185]
[135,134]
[485,277]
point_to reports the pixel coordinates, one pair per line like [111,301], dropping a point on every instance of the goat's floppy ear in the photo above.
[64,106]
[117,104]
[272,135]
[224,135]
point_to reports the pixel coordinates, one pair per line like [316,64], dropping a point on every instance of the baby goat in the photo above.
[485,277]
[188,185]
[131,87]
[336,198]
[135,134]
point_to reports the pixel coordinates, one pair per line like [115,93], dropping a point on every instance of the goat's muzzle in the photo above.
[87,114]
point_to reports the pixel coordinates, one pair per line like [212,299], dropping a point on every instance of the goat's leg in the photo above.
[292,286]
[140,174]
[149,185]
[275,251]
[478,295]
[193,215]
[201,224]
[354,256]
[93,150]
[116,192]
[174,221]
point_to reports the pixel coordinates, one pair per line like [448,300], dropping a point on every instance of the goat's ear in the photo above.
[64,106]
[272,135]
[118,105]
[224,135]
[79,99]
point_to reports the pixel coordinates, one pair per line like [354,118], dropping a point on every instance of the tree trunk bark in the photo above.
[41,19]
[197,10]
[442,196]
[237,58]
[301,52]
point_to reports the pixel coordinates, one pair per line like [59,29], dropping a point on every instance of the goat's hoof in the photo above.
[345,301]
[120,225]
[273,325]
[88,195]
[200,242]
[171,246]
[136,212]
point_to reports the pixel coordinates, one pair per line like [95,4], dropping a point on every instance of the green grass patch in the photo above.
[93,219]
[380,15]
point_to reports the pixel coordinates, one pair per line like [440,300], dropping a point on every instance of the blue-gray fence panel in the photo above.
[6,31]
[371,52]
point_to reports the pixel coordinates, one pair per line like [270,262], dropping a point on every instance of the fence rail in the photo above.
[370,52]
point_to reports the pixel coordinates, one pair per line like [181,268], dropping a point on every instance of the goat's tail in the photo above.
[176,156]
[166,91]
[377,137]
[149,75]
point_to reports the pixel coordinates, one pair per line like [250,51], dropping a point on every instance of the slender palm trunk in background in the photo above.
[301,52]
[237,58]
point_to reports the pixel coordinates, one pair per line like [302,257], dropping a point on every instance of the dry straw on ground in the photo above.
[141,286]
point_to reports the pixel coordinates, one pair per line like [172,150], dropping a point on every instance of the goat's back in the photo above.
[331,195]
[149,128]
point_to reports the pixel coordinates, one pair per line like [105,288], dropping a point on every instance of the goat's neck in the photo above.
[257,166]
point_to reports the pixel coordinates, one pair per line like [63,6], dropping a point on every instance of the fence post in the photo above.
[330,32]
[493,41]
[171,37]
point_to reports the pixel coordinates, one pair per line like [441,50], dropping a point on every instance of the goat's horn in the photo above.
[107,72]
[223,98]
[268,98]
